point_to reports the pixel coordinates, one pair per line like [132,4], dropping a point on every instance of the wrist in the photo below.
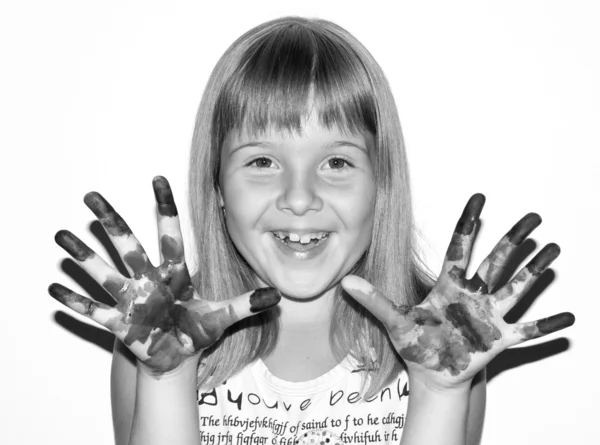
[431,382]
[186,369]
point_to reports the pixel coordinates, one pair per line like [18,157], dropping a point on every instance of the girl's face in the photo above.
[299,208]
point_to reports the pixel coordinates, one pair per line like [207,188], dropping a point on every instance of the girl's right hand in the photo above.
[159,315]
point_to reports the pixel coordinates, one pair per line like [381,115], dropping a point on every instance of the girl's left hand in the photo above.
[460,326]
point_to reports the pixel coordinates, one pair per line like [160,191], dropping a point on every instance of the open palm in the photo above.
[159,315]
[460,326]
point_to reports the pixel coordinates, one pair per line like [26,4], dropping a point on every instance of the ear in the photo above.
[220,196]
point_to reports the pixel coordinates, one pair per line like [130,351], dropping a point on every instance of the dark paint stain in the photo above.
[476,284]
[170,248]
[199,328]
[457,274]
[179,282]
[155,312]
[454,358]
[164,196]
[264,298]
[468,219]
[114,285]
[455,250]
[419,316]
[543,259]
[459,316]
[523,228]
[73,245]
[137,261]
[414,353]
[110,220]
[555,323]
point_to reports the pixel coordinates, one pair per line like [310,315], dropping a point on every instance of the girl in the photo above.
[300,202]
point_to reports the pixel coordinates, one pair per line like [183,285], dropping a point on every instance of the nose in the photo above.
[299,194]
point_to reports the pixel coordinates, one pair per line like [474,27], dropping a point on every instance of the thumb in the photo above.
[373,300]
[250,303]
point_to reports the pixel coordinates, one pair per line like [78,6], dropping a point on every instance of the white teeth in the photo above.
[303,239]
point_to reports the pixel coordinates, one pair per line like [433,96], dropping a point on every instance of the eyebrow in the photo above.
[341,143]
[334,144]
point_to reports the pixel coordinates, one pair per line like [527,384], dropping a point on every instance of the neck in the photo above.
[303,350]
[308,315]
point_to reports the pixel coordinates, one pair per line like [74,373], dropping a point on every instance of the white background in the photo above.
[496,97]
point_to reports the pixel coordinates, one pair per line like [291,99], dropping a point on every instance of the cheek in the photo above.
[356,208]
[244,206]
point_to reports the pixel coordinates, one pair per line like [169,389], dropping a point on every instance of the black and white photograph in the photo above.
[288,223]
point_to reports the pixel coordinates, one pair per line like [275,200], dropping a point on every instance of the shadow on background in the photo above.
[98,336]
[513,358]
[89,332]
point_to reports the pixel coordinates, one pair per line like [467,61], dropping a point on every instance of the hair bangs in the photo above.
[291,73]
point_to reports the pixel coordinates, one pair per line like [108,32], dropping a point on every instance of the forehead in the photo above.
[310,130]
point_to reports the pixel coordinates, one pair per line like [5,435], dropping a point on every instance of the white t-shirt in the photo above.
[255,407]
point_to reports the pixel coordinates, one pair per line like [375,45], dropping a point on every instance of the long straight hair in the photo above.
[272,77]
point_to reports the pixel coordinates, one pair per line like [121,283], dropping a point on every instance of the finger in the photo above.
[99,312]
[169,231]
[250,303]
[491,268]
[509,294]
[522,332]
[204,322]
[129,248]
[92,263]
[459,251]
[373,300]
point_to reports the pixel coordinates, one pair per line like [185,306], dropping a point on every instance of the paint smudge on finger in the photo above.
[164,196]
[66,296]
[455,249]
[556,323]
[73,245]
[523,228]
[263,299]
[467,221]
[171,249]
[137,260]
[543,259]
[108,217]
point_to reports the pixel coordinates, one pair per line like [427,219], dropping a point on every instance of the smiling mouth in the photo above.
[301,243]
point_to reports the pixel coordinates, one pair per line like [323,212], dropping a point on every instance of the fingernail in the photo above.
[556,323]
[264,298]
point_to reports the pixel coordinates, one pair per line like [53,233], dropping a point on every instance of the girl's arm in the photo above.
[476,413]
[166,408]
[459,328]
[153,423]
[448,416]
[123,381]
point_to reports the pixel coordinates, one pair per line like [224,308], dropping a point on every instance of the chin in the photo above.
[303,287]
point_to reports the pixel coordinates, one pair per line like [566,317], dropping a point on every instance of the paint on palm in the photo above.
[460,317]
[158,314]
[460,324]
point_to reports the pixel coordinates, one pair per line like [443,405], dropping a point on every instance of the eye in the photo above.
[338,163]
[260,163]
